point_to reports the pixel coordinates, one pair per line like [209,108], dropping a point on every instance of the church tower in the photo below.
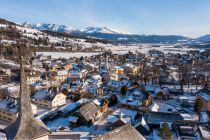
[26,127]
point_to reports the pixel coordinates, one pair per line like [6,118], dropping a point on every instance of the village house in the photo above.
[67,66]
[117,73]
[33,77]
[124,132]
[162,93]
[115,121]
[11,90]
[114,86]
[90,112]
[142,127]
[59,76]
[36,63]
[76,74]
[154,118]
[6,71]
[49,98]
[9,109]
[187,132]
[93,85]
[54,66]
[132,99]
[204,132]
[73,120]
[204,96]
[130,69]
[42,85]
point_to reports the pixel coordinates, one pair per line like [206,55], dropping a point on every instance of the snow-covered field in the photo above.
[68,54]
[144,48]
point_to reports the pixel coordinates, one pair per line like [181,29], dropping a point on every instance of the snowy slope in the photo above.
[104,30]
[50,27]
[69,29]
[205,38]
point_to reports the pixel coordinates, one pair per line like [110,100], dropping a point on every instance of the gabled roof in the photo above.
[47,95]
[125,132]
[204,94]
[157,117]
[88,110]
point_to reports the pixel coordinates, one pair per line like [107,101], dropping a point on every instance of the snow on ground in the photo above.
[41,110]
[7,41]
[10,63]
[165,107]
[3,136]
[13,64]
[3,25]
[68,54]
[144,48]
[53,125]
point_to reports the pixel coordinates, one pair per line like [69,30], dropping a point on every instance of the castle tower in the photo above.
[26,127]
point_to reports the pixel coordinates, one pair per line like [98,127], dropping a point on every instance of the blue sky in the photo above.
[182,17]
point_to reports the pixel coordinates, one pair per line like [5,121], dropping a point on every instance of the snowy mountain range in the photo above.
[114,35]
[50,27]
[205,38]
[69,29]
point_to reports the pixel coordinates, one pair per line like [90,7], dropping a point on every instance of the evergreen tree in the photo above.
[165,132]
[124,90]
[113,100]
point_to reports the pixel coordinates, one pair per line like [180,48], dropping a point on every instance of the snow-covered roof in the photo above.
[163,90]
[154,107]
[72,106]
[205,96]
[97,102]
[126,112]
[150,87]
[205,133]
[9,105]
[137,92]
[129,65]
[204,117]
[123,133]
[97,77]
[187,116]
[73,119]
[45,94]
[112,118]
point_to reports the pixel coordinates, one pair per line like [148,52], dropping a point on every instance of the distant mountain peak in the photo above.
[69,29]
[104,30]
[205,38]
[50,27]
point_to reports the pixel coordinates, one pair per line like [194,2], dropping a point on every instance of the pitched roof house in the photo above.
[125,132]
[90,112]
[49,98]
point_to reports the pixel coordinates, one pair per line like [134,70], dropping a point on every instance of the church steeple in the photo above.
[26,127]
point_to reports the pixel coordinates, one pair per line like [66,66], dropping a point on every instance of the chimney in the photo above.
[50,91]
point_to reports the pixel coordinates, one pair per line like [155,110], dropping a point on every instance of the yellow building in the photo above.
[130,69]
[59,76]
[68,67]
